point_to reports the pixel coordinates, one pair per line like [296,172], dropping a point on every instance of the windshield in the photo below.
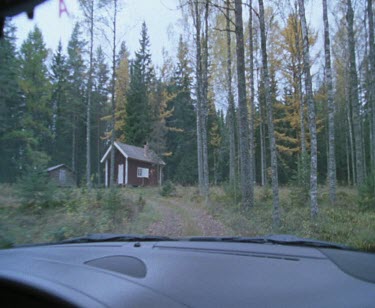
[188,118]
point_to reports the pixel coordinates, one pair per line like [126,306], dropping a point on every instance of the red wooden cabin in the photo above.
[134,166]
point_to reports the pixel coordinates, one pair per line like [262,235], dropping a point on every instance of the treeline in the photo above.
[44,106]
[249,99]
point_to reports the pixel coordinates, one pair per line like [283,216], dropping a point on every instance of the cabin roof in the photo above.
[137,153]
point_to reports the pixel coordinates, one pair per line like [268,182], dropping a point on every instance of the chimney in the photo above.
[145,149]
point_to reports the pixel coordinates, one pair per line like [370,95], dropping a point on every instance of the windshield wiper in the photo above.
[107,237]
[280,239]
[101,238]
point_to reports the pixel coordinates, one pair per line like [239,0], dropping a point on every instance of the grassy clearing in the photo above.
[78,212]
[134,210]
[345,222]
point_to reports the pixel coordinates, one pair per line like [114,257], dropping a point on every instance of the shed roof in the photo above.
[57,167]
[138,153]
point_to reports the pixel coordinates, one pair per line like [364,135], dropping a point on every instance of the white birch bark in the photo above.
[311,114]
[246,185]
[353,95]
[271,132]
[331,109]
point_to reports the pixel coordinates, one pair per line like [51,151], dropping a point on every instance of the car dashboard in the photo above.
[180,274]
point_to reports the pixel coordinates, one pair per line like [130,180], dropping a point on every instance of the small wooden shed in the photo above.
[134,166]
[62,175]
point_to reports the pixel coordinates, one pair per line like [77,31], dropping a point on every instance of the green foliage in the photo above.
[181,136]
[299,195]
[168,189]
[35,86]
[12,137]
[138,124]
[79,212]
[232,193]
[346,223]
[265,194]
[35,188]
[367,193]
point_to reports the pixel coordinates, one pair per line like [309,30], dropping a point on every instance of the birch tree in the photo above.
[371,42]
[87,7]
[110,23]
[271,132]
[201,71]
[311,113]
[353,94]
[331,108]
[247,187]
[231,109]
[252,109]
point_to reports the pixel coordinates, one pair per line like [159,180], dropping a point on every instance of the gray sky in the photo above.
[161,17]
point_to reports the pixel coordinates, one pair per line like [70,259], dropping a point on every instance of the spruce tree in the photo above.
[12,137]
[60,127]
[36,90]
[138,126]
[76,100]
[181,139]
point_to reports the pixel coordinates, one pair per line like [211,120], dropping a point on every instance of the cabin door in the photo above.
[120,177]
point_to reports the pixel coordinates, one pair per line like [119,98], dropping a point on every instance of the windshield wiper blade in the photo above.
[108,237]
[280,239]
[286,239]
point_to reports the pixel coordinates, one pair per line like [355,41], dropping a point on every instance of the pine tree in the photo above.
[122,88]
[181,125]
[137,125]
[35,87]
[60,119]
[12,137]
[76,99]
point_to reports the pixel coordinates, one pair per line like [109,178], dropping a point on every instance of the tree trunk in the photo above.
[372,80]
[311,113]
[262,151]
[353,95]
[198,73]
[331,109]
[349,124]
[263,160]
[231,113]
[89,92]
[113,100]
[74,144]
[247,187]
[252,109]
[271,132]
[205,105]
[98,151]
[347,159]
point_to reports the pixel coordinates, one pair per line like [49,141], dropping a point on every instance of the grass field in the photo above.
[144,210]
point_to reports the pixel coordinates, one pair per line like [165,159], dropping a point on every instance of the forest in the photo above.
[255,97]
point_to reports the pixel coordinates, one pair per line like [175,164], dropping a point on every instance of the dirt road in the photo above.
[182,217]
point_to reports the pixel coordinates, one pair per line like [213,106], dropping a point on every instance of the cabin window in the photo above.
[142,172]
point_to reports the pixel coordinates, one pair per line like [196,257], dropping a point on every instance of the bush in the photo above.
[232,193]
[168,189]
[35,188]
[367,193]
[265,193]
